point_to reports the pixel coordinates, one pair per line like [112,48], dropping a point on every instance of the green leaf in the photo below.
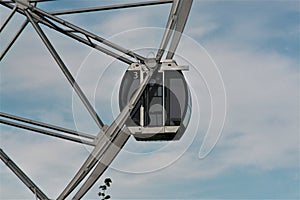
[103,187]
[100,194]
[107,182]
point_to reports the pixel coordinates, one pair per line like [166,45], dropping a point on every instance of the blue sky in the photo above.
[253,45]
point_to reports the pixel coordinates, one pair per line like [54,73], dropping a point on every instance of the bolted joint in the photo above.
[23,4]
[151,63]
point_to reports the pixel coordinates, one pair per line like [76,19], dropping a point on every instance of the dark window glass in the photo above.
[175,97]
[153,102]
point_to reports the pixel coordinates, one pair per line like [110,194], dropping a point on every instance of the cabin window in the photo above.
[153,102]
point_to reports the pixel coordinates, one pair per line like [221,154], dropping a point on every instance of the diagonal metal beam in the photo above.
[46,132]
[104,142]
[13,40]
[109,155]
[112,7]
[6,1]
[82,31]
[83,39]
[175,26]
[108,149]
[66,72]
[49,126]
[8,18]
[185,7]
[38,1]
[22,176]
[169,30]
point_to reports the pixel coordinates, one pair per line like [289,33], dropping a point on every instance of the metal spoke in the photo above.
[169,30]
[85,40]
[8,18]
[46,132]
[22,176]
[185,7]
[49,126]
[38,1]
[13,40]
[114,131]
[82,31]
[71,33]
[66,71]
[106,159]
[175,26]
[7,1]
[104,143]
[112,7]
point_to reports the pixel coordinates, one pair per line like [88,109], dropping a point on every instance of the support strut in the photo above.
[112,7]
[22,176]
[65,70]
[13,40]
[8,18]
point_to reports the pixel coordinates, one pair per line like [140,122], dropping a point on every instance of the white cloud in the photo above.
[43,159]
[261,129]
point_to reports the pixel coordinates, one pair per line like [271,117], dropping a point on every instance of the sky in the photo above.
[242,141]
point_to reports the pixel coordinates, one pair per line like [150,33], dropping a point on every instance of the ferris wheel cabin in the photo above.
[164,109]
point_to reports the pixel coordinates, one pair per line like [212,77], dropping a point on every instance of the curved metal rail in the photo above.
[110,139]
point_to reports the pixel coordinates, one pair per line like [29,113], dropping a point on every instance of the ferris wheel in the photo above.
[154,97]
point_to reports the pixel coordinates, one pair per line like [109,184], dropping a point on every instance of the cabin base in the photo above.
[162,133]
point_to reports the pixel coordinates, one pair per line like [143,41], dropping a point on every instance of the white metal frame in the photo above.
[111,138]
